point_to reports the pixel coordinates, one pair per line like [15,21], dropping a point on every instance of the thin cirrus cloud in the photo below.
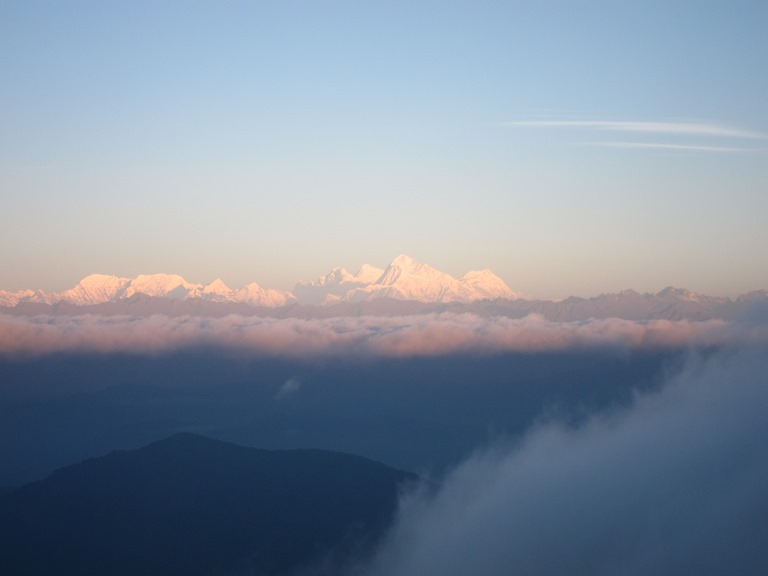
[717,135]
[679,128]
[678,147]
[405,336]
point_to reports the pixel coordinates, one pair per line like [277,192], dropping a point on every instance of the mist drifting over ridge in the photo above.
[674,484]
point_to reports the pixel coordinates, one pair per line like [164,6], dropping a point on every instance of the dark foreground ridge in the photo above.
[193,505]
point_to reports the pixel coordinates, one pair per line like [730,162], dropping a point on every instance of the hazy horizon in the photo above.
[573,149]
[355,269]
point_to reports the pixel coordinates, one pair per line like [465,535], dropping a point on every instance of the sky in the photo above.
[574,148]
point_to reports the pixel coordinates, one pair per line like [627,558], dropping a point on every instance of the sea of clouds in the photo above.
[417,335]
[673,483]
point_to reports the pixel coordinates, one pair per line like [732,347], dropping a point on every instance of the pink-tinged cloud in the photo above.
[420,335]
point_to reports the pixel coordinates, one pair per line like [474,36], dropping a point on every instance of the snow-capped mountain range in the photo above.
[405,286]
[100,288]
[403,279]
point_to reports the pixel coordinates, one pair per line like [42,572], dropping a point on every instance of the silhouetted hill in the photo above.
[412,413]
[192,505]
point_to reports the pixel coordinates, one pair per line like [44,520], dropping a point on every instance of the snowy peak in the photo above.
[217,288]
[102,288]
[403,279]
[11,299]
[418,281]
[405,267]
[94,289]
[255,295]
[160,285]
[334,286]
[407,264]
[672,294]
[368,274]
[102,282]
[488,284]
[407,279]
[480,276]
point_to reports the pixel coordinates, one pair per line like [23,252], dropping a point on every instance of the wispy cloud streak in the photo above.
[675,147]
[671,128]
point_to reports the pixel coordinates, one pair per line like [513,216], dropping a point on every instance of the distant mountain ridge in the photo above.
[194,505]
[101,288]
[404,287]
[403,279]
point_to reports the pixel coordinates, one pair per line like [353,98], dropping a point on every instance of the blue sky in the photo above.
[572,147]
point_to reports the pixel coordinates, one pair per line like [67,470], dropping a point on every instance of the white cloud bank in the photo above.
[676,485]
[419,335]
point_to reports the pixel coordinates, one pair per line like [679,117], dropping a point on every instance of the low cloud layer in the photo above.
[419,335]
[674,486]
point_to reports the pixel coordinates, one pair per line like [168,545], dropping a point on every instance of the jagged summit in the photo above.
[103,288]
[368,273]
[334,286]
[406,279]
[403,279]
[163,285]
[405,284]
[405,266]
[405,262]
[217,287]
[486,282]
[100,280]
[95,288]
